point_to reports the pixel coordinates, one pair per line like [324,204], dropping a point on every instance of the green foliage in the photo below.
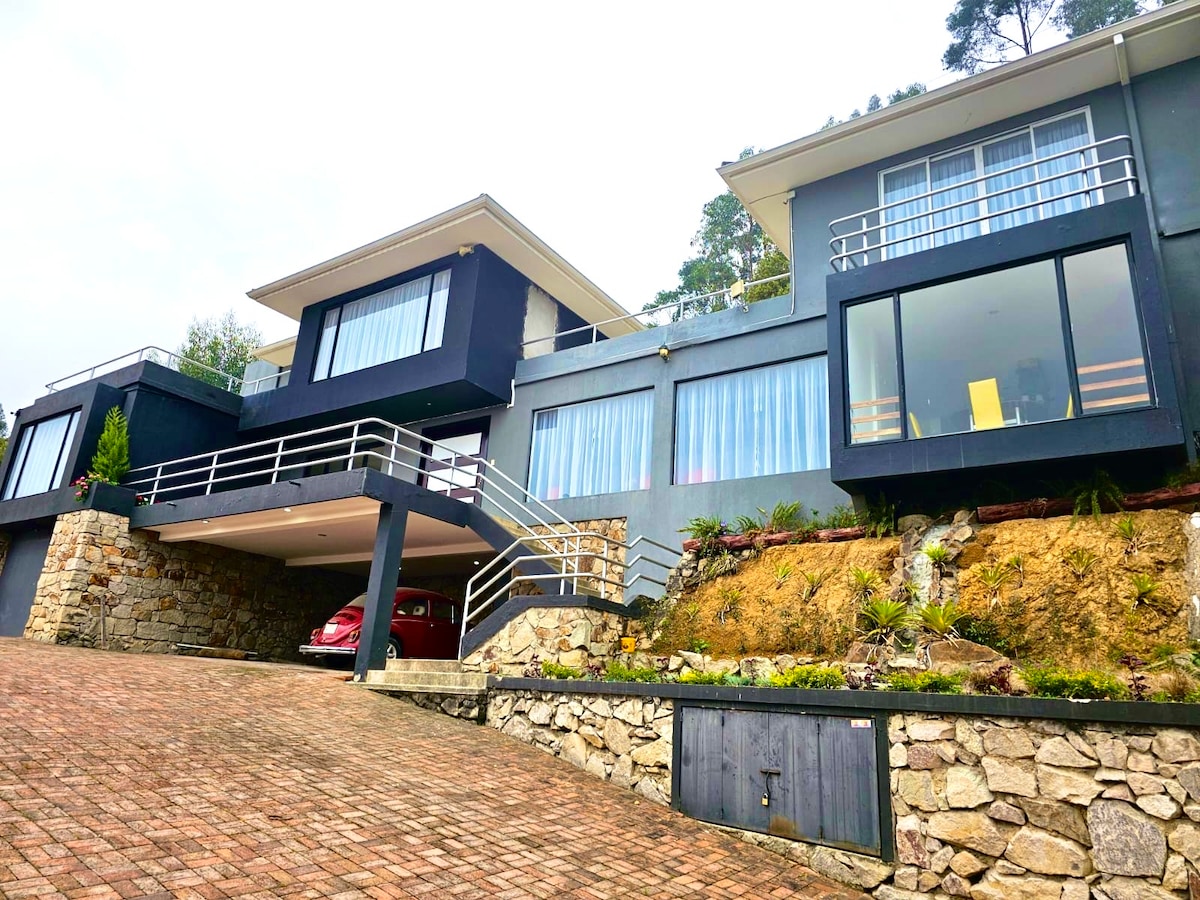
[880,518]
[1176,687]
[1189,474]
[1142,588]
[554,670]
[938,554]
[813,582]
[220,343]
[1002,627]
[838,517]
[731,605]
[865,583]
[940,619]
[727,679]
[882,618]
[698,645]
[724,563]
[706,530]
[1080,562]
[783,517]
[874,104]
[1133,534]
[925,682]
[783,572]
[985,32]
[1016,564]
[1086,684]
[3,432]
[1093,496]
[616,671]
[111,460]
[995,577]
[1163,653]
[774,262]
[1079,17]
[825,678]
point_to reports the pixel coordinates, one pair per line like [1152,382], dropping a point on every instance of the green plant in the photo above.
[1142,588]
[810,678]
[940,619]
[1016,564]
[731,605]
[110,463]
[707,530]
[996,682]
[907,591]
[838,517]
[938,554]
[783,572]
[1177,687]
[747,525]
[925,682]
[1085,684]
[1133,534]
[993,578]
[616,671]
[697,645]
[813,582]
[880,518]
[1189,474]
[1080,562]
[1163,653]
[865,583]
[783,517]
[554,670]
[883,618]
[724,563]
[1092,496]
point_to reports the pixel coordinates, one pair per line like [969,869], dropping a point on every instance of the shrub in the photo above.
[710,678]
[925,682]
[616,671]
[1085,684]
[940,619]
[723,563]
[731,605]
[554,670]
[811,678]
[838,517]
[706,530]
[1094,495]
[111,461]
[784,517]
[996,682]
[1176,687]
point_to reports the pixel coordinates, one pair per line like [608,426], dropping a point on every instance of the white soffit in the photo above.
[279,353]
[479,221]
[1152,41]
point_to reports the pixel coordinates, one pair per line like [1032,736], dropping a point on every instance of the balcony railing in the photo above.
[662,315]
[266,383]
[150,354]
[893,230]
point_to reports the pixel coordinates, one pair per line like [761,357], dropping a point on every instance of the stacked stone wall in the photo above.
[568,635]
[154,594]
[616,530]
[625,740]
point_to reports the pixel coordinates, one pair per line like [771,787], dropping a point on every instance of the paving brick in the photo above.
[145,776]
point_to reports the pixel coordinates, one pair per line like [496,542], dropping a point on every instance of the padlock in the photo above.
[766,800]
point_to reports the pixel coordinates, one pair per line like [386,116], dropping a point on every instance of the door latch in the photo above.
[766,797]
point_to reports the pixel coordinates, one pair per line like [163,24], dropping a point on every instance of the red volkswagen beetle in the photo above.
[425,625]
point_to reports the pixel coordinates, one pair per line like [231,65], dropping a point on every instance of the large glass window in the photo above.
[1105,331]
[924,201]
[401,321]
[991,351]
[597,447]
[763,421]
[40,459]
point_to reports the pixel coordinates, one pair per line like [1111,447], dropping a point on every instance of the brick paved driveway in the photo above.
[130,776]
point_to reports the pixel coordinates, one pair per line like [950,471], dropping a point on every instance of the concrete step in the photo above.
[417,688]
[424,665]
[465,681]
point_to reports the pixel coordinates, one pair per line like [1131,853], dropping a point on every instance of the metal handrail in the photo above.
[138,356]
[846,256]
[255,382]
[595,327]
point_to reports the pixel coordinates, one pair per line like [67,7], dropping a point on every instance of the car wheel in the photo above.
[394,650]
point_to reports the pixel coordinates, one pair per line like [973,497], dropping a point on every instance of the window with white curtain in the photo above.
[40,460]
[1018,176]
[402,321]
[597,447]
[763,421]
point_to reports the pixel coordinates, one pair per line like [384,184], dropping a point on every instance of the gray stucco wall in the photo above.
[709,345]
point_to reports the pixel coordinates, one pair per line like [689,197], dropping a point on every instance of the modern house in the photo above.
[989,281]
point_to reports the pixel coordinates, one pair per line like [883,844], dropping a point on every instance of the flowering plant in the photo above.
[83,485]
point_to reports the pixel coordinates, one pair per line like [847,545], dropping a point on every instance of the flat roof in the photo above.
[479,221]
[1112,55]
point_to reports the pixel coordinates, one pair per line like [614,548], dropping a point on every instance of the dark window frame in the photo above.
[14,477]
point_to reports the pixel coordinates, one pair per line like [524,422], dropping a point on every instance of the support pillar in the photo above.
[381,590]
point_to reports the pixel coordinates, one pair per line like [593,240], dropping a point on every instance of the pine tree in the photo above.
[111,461]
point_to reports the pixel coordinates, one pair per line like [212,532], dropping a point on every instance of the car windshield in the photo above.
[358,602]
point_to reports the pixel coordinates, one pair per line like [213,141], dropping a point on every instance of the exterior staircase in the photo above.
[427,676]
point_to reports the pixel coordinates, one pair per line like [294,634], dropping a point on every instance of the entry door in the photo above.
[455,467]
[19,578]
[806,777]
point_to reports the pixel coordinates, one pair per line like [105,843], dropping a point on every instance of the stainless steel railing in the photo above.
[877,231]
[151,354]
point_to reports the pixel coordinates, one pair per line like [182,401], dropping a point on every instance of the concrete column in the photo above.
[381,590]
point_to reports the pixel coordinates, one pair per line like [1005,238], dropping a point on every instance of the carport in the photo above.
[359,521]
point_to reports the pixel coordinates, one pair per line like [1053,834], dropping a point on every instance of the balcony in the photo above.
[959,208]
[165,358]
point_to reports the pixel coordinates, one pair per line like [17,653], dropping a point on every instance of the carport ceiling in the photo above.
[332,532]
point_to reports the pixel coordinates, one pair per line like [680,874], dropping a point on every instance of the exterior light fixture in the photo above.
[664,352]
[466,249]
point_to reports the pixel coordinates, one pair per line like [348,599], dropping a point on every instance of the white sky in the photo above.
[158,160]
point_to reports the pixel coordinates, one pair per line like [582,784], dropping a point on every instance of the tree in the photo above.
[111,460]
[874,104]
[223,344]
[3,432]
[988,32]
[730,246]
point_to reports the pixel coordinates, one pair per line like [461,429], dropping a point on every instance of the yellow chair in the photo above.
[985,404]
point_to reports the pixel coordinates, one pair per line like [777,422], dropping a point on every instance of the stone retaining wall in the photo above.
[567,635]
[610,528]
[625,740]
[155,594]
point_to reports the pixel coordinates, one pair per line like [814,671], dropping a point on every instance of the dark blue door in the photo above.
[19,578]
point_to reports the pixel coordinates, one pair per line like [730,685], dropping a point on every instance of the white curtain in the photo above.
[898,186]
[40,461]
[945,173]
[763,421]
[437,310]
[1005,154]
[1058,137]
[598,447]
[385,326]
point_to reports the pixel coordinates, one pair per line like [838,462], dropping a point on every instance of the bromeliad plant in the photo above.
[993,578]
[1142,588]
[1080,562]
[865,583]
[939,619]
[882,618]
[938,554]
